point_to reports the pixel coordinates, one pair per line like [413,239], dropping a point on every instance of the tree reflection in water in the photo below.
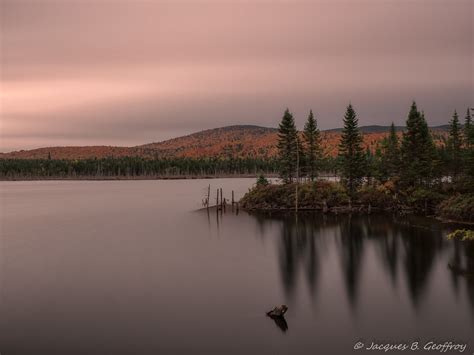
[461,266]
[409,245]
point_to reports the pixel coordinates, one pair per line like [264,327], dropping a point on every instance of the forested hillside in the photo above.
[227,142]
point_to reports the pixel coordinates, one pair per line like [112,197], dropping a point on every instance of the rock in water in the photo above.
[277,311]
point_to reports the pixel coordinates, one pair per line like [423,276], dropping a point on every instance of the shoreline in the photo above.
[151,177]
[327,197]
[130,178]
[345,210]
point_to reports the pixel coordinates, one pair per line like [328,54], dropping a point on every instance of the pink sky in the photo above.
[133,72]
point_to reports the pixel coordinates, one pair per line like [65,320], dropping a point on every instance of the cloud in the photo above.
[126,72]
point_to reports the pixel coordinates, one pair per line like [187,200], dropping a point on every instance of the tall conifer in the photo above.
[351,153]
[454,145]
[287,147]
[468,131]
[312,139]
[469,149]
[417,151]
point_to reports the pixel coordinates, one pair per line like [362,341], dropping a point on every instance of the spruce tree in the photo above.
[287,147]
[312,140]
[468,130]
[469,150]
[391,154]
[454,146]
[417,150]
[351,153]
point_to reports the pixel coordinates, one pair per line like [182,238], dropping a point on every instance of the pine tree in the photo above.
[417,151]
[468,130]
[454,146]
[351,153]
[312,139]
[287,147]
[469,150]
[390,154]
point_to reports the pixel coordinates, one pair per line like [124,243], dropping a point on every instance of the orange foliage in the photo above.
[232,141]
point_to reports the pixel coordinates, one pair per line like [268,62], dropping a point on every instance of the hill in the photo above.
[230,141]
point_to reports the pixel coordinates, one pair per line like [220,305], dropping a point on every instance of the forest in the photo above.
[134,167]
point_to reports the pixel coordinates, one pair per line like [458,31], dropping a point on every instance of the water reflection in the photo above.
[421,243]
[281,323]
[406,250]
[359,247]
[352,235]
[461,266]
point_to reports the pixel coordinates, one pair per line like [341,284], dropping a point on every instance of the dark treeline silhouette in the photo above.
[134,167]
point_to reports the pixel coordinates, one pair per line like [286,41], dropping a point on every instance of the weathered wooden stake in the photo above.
[217,198]
[232,197]
[222,202]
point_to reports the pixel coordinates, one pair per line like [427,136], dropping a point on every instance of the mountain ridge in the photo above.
[226,141]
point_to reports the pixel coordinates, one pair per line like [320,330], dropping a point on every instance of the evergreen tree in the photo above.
[287,147]
[468,130]
[454,146]
[312,139]
[351,153]
[390,154]
[469,150]
[417,150]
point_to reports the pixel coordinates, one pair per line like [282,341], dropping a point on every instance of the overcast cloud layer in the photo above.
[131,72]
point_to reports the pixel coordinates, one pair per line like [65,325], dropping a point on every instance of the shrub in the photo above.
[379,196]
[421,198]
[458,207]
[310,196]
[461,234]
[262,181]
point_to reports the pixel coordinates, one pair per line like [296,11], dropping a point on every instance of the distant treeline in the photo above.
[130,167]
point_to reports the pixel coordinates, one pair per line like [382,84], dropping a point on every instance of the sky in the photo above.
[106,72]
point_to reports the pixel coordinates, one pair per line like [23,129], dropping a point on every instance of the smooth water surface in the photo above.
[132,267]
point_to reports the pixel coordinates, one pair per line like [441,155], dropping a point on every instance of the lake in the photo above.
[135,267]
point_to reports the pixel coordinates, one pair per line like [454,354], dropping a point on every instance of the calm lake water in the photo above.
[132,267]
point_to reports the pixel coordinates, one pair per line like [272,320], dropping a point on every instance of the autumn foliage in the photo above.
[226,142]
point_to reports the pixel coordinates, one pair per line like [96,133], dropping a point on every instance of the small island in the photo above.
[407,173]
